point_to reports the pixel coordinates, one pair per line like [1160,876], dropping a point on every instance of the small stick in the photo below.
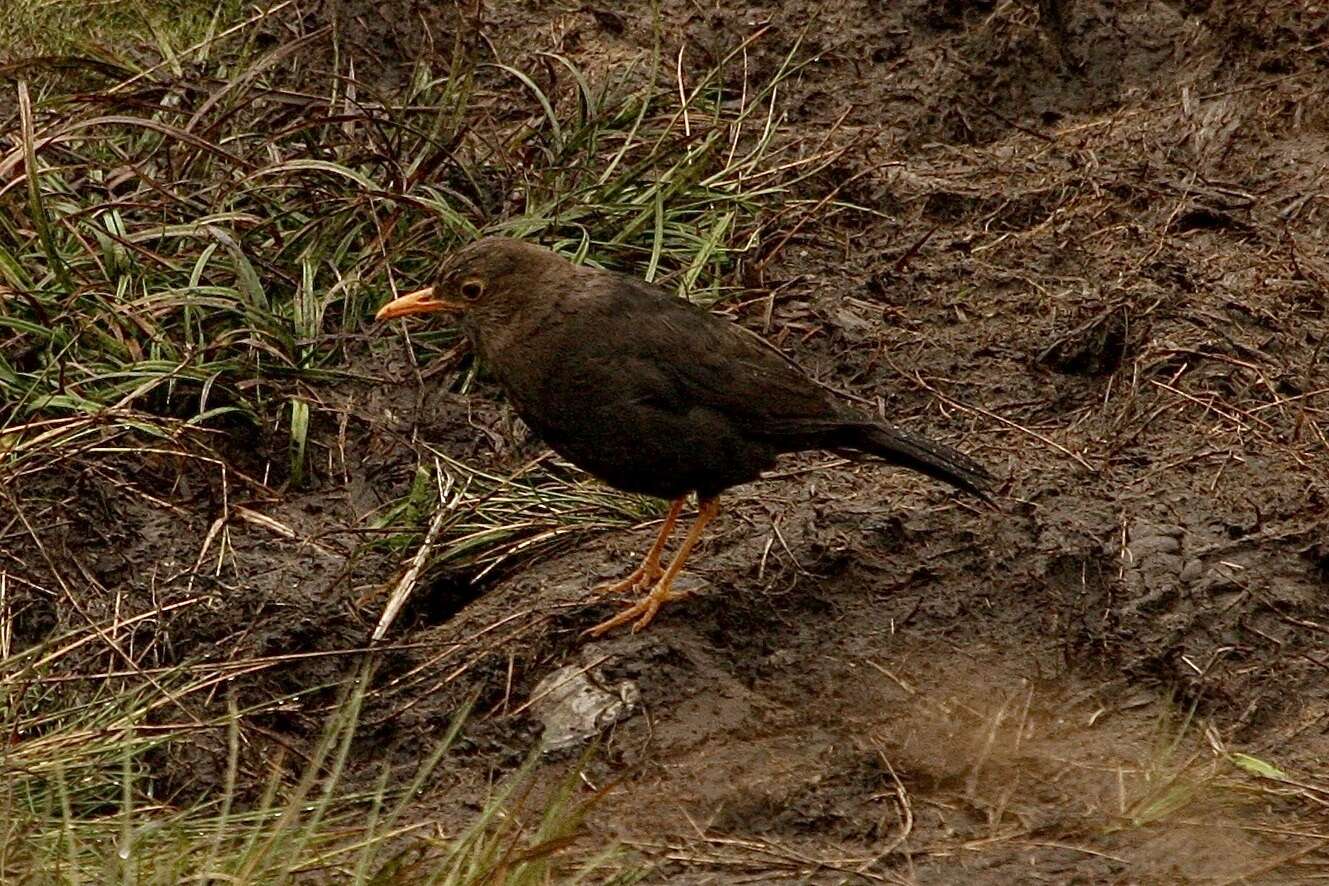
[408,581]
[1000,418]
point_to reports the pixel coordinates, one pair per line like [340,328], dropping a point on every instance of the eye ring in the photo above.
[472,289]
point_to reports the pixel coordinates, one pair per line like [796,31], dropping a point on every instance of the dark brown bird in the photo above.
[650,393]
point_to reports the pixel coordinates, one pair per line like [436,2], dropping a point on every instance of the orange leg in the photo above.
[649,571]
[662,592]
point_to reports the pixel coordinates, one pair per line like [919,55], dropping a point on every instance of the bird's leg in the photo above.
[662,592]
[649,571]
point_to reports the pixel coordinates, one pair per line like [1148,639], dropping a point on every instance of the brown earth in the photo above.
[1102,272]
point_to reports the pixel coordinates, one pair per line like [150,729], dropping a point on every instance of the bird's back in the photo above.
[704,360]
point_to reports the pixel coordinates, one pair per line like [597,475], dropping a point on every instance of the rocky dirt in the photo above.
[1093,258]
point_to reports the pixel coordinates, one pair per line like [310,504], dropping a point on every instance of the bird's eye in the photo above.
[472,289]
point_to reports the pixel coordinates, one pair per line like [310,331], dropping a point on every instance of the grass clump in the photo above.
[81,803]
[107,31]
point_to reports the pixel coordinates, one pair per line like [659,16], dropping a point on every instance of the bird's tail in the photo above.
[915,451]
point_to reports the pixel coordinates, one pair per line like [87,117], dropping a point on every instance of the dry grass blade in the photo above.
[406,584]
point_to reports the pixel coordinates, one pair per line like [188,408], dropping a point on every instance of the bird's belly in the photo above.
[646,452]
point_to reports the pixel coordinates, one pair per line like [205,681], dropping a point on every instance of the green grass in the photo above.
[108,30]
[80,803]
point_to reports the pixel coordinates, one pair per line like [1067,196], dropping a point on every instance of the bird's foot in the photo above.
[643,610]
[639,579]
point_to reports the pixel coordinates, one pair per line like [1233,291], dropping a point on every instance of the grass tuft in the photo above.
[80,802]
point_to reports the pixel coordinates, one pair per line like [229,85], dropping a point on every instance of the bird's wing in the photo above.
[708,361]
[767,397]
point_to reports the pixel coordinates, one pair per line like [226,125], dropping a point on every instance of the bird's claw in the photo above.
[638,580]
[646,608]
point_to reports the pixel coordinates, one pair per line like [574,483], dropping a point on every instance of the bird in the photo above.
[650,393]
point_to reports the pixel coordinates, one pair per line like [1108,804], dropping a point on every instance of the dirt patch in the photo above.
[1093,258]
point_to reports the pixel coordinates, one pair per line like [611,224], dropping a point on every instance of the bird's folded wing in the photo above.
[708,361]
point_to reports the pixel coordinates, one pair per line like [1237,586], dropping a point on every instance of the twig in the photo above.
[950,401]
[406,585]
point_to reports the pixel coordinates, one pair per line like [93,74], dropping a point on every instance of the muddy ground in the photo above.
[1093,258]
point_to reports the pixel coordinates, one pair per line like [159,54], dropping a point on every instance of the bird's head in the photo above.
[485,282]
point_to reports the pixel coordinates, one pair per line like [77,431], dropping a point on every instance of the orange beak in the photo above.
[421,301]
